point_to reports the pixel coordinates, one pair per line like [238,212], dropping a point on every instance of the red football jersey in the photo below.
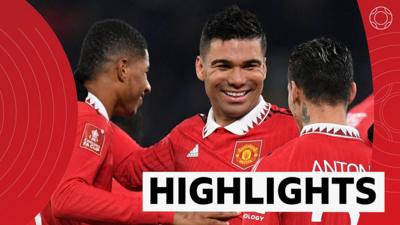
[321,147]
[200,144]
[361,116]
[102,151]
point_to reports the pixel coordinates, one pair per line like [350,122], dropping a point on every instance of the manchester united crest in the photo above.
[246,153]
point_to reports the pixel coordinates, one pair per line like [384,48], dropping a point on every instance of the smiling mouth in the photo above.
[236,94]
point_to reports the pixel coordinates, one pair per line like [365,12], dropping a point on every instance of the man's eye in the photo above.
[223,67]
[250,67]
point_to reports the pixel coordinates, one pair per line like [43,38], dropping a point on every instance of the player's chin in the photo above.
[237,110]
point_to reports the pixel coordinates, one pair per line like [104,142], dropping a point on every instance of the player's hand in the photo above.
[203,218]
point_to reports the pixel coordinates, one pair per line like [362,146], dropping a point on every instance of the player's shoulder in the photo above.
[88,115]
[120,138]
[194,122]
[118,131]
[289,146]
[281,118]
[294,146]
[358,145]
[276,111]
[273,162]
[85,110]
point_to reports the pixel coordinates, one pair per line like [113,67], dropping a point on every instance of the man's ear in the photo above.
[122,67]
[200,68]
[353,92]
[295,91]
[265,68]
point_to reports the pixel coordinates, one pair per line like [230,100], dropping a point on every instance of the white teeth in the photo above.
[235,94]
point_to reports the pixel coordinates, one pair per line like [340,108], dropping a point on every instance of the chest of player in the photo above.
[103,178]
[221,151]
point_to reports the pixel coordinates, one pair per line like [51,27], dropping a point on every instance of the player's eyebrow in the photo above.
[252,62]
[221,61]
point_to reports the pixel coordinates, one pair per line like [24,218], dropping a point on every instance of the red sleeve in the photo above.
[77,197]
[272,218]
[89,204]
[267,218]
[160,157]
[132,160]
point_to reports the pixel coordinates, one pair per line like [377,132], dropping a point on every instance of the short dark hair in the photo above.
[104,39]
[232,23]
[323,69]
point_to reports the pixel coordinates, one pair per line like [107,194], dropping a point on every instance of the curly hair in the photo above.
[323,68]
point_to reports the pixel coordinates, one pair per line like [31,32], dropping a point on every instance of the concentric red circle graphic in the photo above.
[37,112]
[383,35]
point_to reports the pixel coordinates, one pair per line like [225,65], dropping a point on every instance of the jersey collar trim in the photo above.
[243,125]
[331,129]
[95,103]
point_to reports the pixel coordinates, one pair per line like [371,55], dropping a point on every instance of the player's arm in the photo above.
[107,208]
[86,203]
[91,205]
[77,198]
[131,160]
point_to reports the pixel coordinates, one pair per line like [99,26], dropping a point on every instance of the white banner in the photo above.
[263,191]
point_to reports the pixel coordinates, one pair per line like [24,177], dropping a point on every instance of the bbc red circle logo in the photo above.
[381,18]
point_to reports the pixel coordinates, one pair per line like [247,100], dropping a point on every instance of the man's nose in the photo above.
[236,78]
[147,89]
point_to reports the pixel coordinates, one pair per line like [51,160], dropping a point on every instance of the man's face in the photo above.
[233,72]
[135,86]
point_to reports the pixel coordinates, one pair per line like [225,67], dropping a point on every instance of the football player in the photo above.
[320,87]
[113,67]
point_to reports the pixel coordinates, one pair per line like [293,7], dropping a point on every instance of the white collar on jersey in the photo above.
[243,125]
[331,129]
[94,102]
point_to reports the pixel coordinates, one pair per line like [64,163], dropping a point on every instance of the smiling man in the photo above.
[113,67]
[233,72]
[241,126]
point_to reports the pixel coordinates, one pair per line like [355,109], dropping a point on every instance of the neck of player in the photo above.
[322,113]
[101,89]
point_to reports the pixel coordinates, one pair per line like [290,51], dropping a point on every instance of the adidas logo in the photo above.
[194,153]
